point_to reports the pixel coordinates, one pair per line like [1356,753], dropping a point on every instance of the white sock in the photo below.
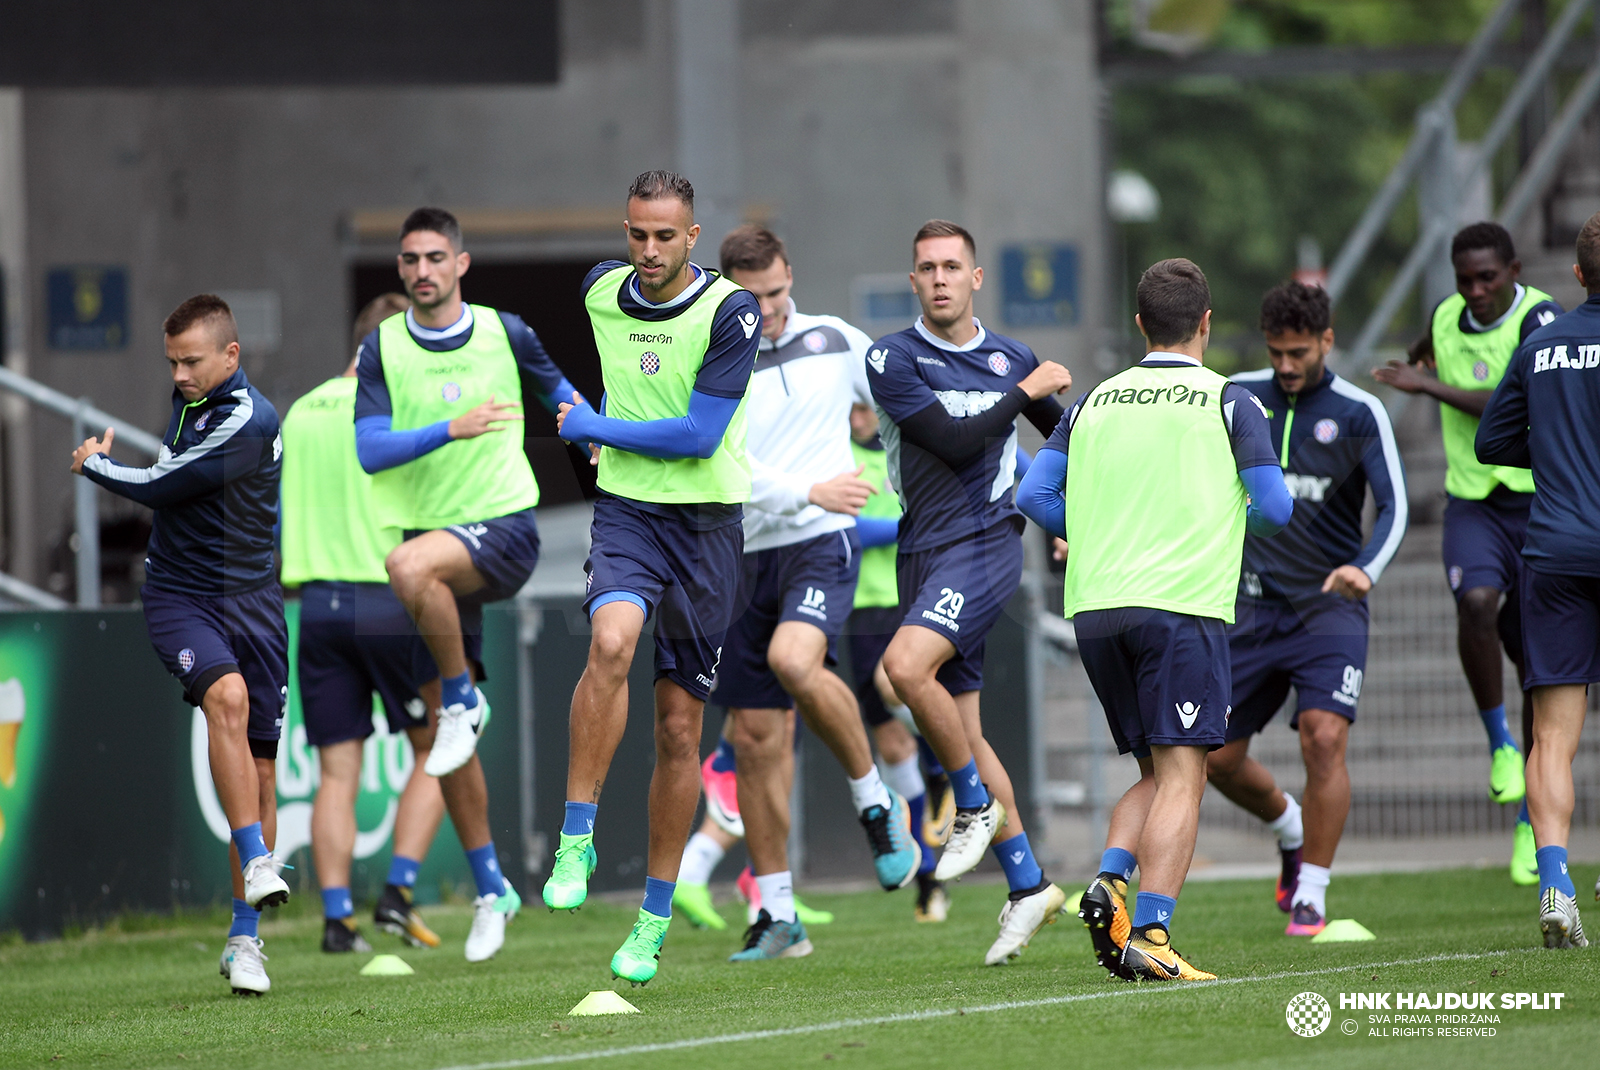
[777,895]
[902,713]
[1290,829]
[700,857]
[869,791]
[906,778]
[1312,888]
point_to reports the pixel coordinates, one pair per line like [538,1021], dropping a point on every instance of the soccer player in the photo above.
[948,394]
[437,390]
[1469,343]
[211,602]
[801,559]
[677,346]
[1162,457]
[355,639]
[1545,414]
[1302,608]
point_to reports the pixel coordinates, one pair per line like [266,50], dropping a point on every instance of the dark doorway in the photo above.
[545,294]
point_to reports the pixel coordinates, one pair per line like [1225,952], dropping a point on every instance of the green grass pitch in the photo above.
[880,991]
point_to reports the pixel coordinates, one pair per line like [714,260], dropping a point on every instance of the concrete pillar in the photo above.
[707,64]
[17,514]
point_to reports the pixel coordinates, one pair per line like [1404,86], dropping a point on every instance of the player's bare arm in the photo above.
[1408,377]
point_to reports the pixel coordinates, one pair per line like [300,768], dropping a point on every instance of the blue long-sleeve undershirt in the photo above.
[1040,497]
[697,434]
[875,531]
[380,447]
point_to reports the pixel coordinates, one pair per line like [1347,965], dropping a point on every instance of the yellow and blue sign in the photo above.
[1039,284]
[88,307]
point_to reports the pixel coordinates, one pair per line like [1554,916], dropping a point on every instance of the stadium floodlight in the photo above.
[1130,198]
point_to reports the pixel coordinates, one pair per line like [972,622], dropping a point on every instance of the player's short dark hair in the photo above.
[943,228]
[749,247]
[1588,250]
[377,310]
[1173,297]
[654,185]
[209,309]
[1484,236]
[437,220]
[1295,308]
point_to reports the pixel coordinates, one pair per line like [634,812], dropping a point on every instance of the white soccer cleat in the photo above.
[244,965]
[262,885]
[1020,919]
[970,837]
[489,916]
[457,737]
[1559,921]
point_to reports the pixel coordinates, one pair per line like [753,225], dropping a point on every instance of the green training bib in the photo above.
[877,586]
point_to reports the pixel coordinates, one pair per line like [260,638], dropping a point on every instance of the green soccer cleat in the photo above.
[1524,863]
[640,954]
[695,902]
[1506,783]
[809,916]
[568,885]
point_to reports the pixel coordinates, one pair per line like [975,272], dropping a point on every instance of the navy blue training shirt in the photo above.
[911,370]
[214,490]
[1545,415]
[1340,442]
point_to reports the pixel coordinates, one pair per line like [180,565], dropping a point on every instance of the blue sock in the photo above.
[722,760]
[459,689]
[250,843]
[1494,722]
[1016,858]
[580,819]
[1153,909]
[336,903]
[403,871]
[919,808]
[486,870]
[1118,861]
[245,919]
[968,787]
[930,761]
[1553,871]
[1522,814]
[658,896]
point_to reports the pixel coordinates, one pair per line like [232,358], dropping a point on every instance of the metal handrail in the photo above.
[28,594]
[1536,175]
[74,408]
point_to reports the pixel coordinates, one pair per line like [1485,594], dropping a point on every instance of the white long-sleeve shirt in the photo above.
[799,418]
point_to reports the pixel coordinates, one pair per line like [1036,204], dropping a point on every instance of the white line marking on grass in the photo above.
[1152,989]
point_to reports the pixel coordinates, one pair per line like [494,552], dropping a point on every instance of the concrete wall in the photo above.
[856,123]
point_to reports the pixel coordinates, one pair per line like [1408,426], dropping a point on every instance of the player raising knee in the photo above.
[1545,415]
[948,394]
[677,345]
[1302,610]
[1154,513]
[211,602]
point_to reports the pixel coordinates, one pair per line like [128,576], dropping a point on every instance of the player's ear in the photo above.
[693,234]
[977,278]
[463,262]
[231,353]
[1327,341]
[1577,273]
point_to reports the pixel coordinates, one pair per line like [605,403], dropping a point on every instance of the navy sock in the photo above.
[246,919]
[459,689]
[486,870]
[930,762]
[1118,861]
[968,787]
[1553,871]
[403,871]
[1153,909]
[580,819]
[658,896]
[1016,858]
[1522,814]
[918,808]
[250,843]
[1494,722]
[336,903]
[722,760]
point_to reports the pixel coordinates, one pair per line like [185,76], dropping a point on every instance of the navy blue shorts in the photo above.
[1163,678]
[504,550]
[688,580]
[1561,629]
[356,639]
[202,638]
[812,581]
[959,590]
[1483,541]
[871,629]
[1322,655]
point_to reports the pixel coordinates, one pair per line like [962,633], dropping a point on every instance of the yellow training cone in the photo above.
[603,1002]
[387,966]
[1343,931]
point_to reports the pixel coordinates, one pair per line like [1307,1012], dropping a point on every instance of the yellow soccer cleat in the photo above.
[1150,956]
